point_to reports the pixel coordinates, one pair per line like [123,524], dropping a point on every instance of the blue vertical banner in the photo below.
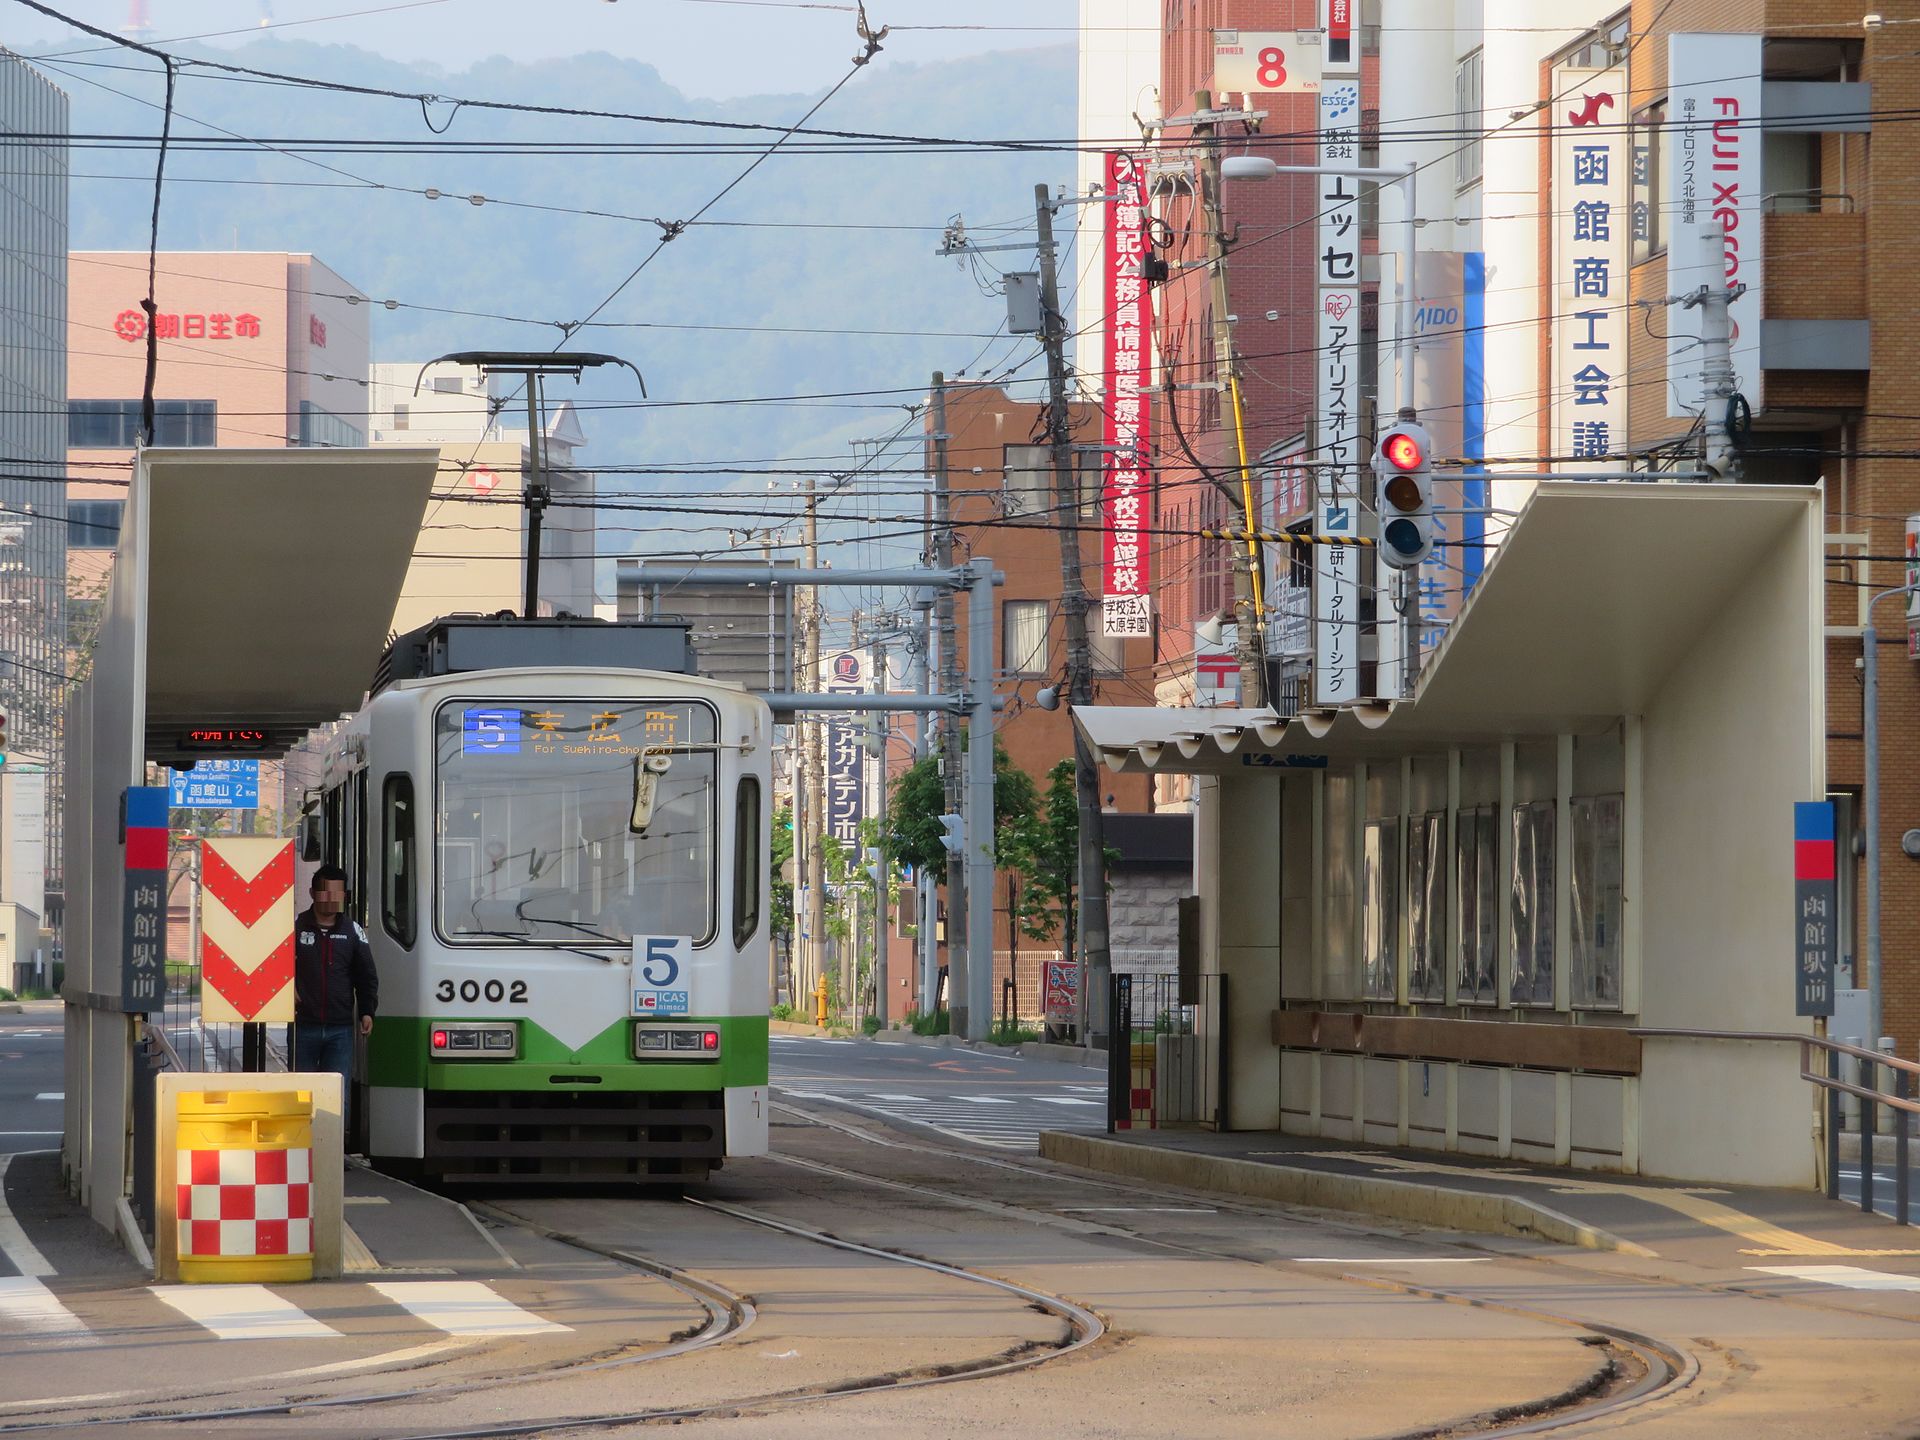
[1473,421]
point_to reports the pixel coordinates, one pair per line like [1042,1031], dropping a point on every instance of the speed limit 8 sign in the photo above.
[1274,62]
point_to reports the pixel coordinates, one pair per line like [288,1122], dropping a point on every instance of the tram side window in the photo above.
[397,887]
[746,862]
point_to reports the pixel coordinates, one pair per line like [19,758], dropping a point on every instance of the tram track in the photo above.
[727,1315]
[1640,1368]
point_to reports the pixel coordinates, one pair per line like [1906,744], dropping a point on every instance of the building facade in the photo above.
[33,398]
[471,554]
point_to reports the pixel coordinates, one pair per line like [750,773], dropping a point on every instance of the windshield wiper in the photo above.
[528,940]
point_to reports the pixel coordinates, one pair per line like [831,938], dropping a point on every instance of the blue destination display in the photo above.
[490,732]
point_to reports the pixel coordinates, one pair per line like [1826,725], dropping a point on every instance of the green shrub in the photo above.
[6,994]
[935,1024]
[1011,1032]
[781,1012]
[870,1025]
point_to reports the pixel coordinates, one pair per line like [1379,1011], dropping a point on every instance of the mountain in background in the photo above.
[798,262]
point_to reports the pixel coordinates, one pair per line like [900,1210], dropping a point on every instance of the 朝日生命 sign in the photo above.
[131,325]
[1127,496]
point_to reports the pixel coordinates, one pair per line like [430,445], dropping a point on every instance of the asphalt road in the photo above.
[997,1101]
[868,1258]
[32,1077]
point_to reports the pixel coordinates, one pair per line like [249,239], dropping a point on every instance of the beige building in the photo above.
[471,554]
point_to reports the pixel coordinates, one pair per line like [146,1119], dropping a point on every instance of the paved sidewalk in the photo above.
[1718,1227]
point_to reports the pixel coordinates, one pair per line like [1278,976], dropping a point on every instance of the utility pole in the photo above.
[813,924]
[950,768]
[925,896]
[1717,377]
[1096,964]
[1248,601]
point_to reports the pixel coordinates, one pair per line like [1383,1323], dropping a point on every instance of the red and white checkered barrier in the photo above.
[246,1202]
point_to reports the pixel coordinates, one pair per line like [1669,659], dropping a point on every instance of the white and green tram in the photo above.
[556,838]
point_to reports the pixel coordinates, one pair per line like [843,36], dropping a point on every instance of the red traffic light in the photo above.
[1402,451]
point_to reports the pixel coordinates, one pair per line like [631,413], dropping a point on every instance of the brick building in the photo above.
[1823,240]
[1002,506]
[1270,288]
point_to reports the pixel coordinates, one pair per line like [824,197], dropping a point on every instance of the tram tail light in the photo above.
[655,1041]
[464,1042]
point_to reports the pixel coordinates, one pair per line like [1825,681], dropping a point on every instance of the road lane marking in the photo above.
[243,1312]
[1061,1100]
[898,1099]
[1402,1260]
[464,1307]
[27,1302]
[51,1095]
[21,1252]
[1850,1276]
[982,1099]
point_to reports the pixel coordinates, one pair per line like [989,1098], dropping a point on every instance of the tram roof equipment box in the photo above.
[457,644]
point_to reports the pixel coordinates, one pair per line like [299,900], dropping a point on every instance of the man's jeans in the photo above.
[328,1047]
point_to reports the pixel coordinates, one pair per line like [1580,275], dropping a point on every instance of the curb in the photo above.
[12,1007]
[1437,1205]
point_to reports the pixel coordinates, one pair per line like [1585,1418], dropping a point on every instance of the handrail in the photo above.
[158,1035]
[1838,1047]
[1902,1102]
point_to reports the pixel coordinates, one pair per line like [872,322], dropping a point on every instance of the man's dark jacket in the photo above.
[332,971]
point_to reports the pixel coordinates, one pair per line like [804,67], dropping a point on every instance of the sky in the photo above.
[717,49]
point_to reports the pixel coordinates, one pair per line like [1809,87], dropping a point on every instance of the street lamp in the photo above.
[1870,739]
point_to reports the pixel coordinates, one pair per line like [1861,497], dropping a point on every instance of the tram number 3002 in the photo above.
[494,992]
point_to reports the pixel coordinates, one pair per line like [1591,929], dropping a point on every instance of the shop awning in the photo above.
[1581,615]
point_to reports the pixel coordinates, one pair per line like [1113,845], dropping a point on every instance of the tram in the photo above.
[556,839]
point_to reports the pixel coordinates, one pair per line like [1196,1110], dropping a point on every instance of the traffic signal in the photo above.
[951,836]
[1403,471]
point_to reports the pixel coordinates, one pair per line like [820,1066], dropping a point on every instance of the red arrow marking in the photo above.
[247,991]
[248,900]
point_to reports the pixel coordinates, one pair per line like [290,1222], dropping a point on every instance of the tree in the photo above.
[919,800]
[780,919]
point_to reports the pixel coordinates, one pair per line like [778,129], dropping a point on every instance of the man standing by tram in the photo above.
[333,980]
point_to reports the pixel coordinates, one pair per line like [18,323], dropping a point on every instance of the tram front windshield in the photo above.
[534,804]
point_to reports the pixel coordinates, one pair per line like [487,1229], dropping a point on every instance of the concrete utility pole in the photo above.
[1717,378]
[814,874]
[1248,601]
[925,895]
[1096,964]
[950,772]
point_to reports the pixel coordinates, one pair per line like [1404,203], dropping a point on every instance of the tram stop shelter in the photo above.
[1443,919]
[252,590]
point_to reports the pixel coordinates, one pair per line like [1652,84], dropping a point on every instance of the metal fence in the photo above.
[1167,1055]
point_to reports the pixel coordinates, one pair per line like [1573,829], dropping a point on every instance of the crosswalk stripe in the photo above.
[898,1099]
[1853,1277]
[243,1312]
[464,1307]
[983,1099]
[1062,1100]
[27,1302]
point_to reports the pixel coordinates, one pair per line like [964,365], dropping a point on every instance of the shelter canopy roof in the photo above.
[1581,614]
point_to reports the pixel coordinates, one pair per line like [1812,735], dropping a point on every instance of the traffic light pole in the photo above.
[971,998]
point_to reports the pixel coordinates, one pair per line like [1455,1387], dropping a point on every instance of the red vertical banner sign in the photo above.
[1127,494]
